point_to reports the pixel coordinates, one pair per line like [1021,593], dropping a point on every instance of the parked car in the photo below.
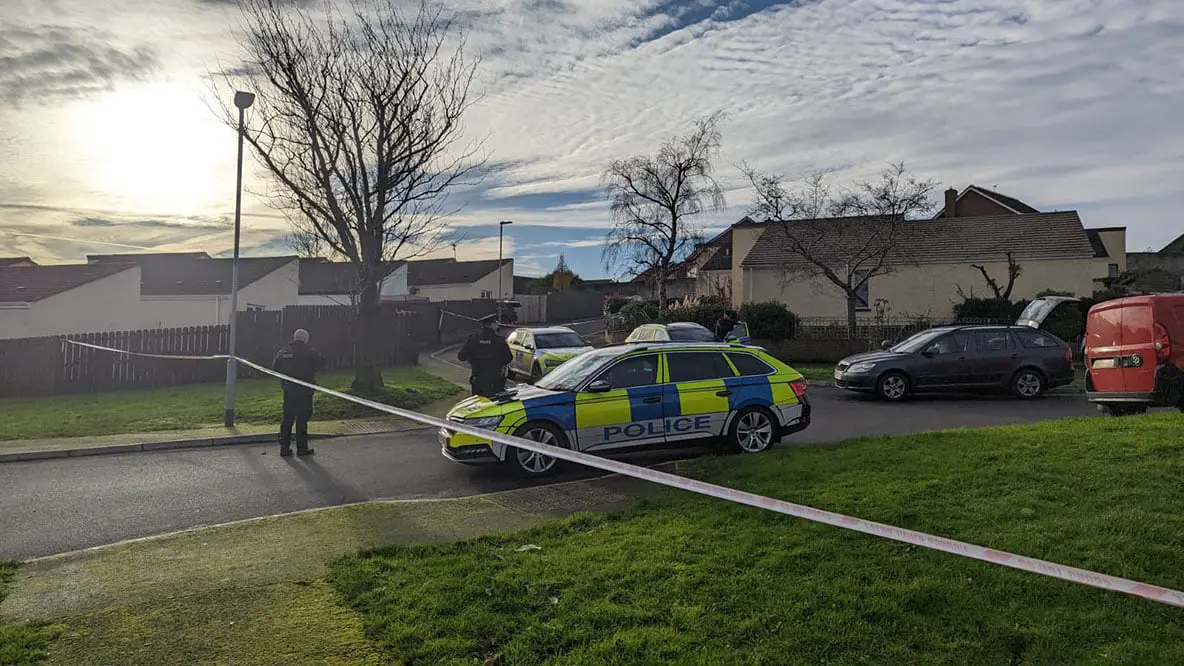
[1134,353]
[1020,358]
[683,331]
[537,351]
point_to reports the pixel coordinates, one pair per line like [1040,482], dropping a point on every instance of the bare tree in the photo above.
[1013,271]
[773,201]
[357,121]
[654,199]
[863,236]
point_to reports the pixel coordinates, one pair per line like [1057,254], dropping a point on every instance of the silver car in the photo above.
[538,351]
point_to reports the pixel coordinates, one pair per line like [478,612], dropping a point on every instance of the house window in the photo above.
[863,292]
[1112,271]
[486,294]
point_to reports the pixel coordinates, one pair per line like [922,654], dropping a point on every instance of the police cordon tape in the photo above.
[1032,565]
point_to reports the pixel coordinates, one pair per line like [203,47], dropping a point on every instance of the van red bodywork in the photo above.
[1134,353]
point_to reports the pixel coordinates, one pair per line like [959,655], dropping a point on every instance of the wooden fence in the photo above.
[51,366]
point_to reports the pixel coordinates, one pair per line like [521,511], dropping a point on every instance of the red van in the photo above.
[1134,353]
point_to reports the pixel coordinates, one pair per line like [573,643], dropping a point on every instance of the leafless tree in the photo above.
[654,200]
[357,121]
[862,236]
[1013,271]
[774,200]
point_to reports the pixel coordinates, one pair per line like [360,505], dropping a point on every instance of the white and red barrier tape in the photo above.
[1032,565]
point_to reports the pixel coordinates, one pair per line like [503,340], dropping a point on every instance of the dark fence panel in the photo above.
[574,306]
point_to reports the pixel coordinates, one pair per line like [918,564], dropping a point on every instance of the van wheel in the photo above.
[752,431]
[1028,384]
[892,386]
[531,463]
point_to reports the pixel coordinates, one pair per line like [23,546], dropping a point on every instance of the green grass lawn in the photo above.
[258,401]
[823,372]
[689,579]
[24,643]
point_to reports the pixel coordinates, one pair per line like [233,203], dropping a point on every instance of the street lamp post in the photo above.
[242,100]
[501,226]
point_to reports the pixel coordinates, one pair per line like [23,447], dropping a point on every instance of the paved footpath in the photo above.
[52,506]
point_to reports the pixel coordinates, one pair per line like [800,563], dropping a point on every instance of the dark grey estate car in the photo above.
[1024,360]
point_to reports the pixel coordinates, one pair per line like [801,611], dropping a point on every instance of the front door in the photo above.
[945,361]
[629,413]
[995,357]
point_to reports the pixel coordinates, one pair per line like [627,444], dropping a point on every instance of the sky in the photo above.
[109,144]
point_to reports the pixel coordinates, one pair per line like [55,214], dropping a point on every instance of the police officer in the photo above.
[488,355]
[299,361]
[724,325]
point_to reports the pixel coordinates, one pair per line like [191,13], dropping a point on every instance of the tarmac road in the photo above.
[53,506]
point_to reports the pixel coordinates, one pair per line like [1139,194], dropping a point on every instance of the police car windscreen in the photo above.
[558,340]
[567,376]
[690,334]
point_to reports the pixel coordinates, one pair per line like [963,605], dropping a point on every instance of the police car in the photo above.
[538,351]
[633,396]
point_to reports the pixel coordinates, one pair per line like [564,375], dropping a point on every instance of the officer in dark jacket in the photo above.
[724,325]
[299,361]
[488,355]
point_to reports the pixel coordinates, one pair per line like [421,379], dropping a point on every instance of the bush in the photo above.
[613,304]
[975,308]
[706,315]
[770,320]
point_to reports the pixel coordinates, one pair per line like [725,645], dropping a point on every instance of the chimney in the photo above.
[951,202]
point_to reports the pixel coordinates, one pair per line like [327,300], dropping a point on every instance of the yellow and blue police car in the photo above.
[631,396]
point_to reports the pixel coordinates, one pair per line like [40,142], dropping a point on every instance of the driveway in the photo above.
[53,506]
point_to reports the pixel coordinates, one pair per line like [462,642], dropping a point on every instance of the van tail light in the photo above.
[1069,355]
[799,388]
[1163,345]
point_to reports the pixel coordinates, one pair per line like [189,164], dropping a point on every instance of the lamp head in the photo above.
[243,99]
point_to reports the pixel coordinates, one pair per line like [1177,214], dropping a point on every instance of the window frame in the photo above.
[1012,344]
[1035,333]
[612,366]
[721,353]
[866,289]
[729,354]
[951,334]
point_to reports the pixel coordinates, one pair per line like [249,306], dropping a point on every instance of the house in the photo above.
[679,282]
[37,301]
[193,289]
[452,280]
[1158,271]
[929,263]
[324,282]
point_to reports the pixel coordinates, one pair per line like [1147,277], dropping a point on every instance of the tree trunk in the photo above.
[367,376]
[662,295]
[852,319]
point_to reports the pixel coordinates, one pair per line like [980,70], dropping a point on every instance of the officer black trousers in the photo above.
[487,385]
[297,412]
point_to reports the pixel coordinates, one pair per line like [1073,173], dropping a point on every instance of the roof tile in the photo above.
[28,284]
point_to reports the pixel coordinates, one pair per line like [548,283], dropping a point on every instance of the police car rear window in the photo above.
[749,365]
[697,366]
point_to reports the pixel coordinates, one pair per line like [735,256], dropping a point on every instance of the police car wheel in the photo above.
[752,431]
[531,463]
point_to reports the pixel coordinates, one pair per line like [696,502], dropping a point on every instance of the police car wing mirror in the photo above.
[599,386]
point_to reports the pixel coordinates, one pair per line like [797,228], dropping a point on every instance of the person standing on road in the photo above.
[487,354]
[299,361]
[725,324]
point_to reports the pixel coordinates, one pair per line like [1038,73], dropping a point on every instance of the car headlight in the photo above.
[858,368]
[484,422]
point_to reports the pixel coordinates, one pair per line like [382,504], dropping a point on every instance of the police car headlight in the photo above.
[861,368]
[484,422]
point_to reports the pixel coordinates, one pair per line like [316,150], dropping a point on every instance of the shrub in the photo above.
[706,315]
[770,320]
[975,308]
[613,304]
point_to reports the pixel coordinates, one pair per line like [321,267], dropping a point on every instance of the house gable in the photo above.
[975,201]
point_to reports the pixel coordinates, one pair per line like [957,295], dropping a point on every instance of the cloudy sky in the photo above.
[108,144]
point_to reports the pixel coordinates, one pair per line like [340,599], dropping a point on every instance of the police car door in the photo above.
[522,354]
[697,396]
[626,411]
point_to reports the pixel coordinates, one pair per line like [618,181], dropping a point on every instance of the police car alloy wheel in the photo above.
[753,431]
[532,463]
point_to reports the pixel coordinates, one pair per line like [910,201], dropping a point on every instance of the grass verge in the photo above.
[690,579]
[24,643]
[258,401]
[822,372]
